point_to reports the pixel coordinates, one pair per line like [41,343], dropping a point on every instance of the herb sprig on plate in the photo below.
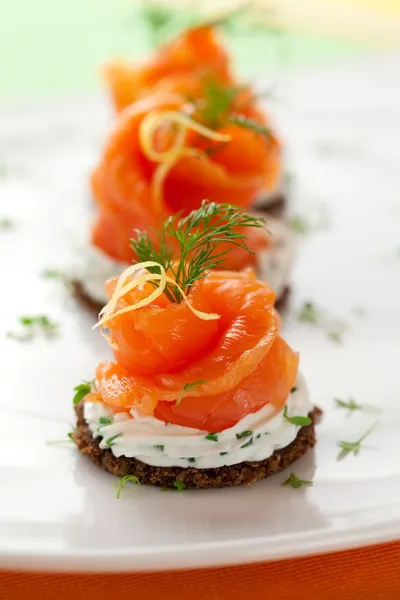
[296,482]
[125,479]
[34,325]
[353,447]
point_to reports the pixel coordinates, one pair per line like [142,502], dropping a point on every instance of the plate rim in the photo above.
[204,554]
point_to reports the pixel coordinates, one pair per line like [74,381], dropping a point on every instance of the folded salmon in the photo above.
[179,65]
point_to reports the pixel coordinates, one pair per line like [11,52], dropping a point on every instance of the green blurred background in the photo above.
[50,47]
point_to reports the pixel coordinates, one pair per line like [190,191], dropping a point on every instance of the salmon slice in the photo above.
[122,182]
[178,64]
[239,360]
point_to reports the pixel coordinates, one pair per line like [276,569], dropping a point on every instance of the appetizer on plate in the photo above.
[203,391]
[194,135]
[188,65]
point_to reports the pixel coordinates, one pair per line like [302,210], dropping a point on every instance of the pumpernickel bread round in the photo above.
[246,472]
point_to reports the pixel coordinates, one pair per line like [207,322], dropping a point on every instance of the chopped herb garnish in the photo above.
[105,421]
[52,274]
[34,325]
[243,434]
[189,386]
[223,453]
[110,440]
[296,482]
[353,447]
[159,447]
[334,328]
[243,121]
[82,390]
[308,313]
[299,224]
[6,223]
[258,436]
[247,444]
[56,274]
[198,235]
[301,421]
[192,460]
[350,404]
[213,437]
[179,485]
[293,390]
[125,480]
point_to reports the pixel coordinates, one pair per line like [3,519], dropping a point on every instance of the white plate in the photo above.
[58,511]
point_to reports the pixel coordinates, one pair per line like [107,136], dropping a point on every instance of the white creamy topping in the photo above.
[95,267]
[253,438]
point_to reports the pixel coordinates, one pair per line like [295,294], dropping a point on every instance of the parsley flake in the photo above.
[191,460]
[353,447]
[301,421]
[6,224]
[33,325]
[223,453]
[125,480]
[243,434]
[189,386]
[213,437]
[105,421]
[293,390]
[159,447]
[110,440]
[82,390]
[179,485]
[308,313]
[299,224]
[296,482]
[351,405]
[247,444]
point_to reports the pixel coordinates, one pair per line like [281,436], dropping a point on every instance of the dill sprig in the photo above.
[197,238]
[353,447]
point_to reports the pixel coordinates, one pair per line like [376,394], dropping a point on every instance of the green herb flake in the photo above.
[191,460]
[179,485]
[350,404]
[105,420]
[258,436]
[293,390]
[353,447]
[125,480]
[247,444]
[300,421]
[213,437]
[6,224]
[189,386]
[299,225]
[309,313]
[82,390]
[33,325]
[223,453]
[159,447]
[296,482]
[110,440]
[243,434]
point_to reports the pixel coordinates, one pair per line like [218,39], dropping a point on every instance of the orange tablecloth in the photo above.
[371,573]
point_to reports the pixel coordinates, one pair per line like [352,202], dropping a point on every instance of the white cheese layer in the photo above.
[275,264]
[253,438]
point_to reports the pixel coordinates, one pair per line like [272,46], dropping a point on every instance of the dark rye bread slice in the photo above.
[246,472]
[95,306]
